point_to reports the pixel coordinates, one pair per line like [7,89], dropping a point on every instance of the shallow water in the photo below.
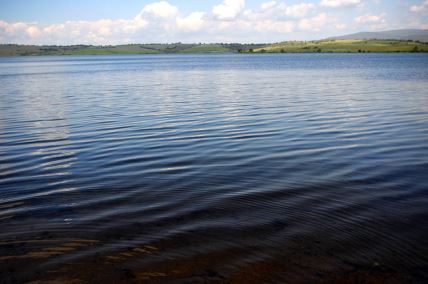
[214,167]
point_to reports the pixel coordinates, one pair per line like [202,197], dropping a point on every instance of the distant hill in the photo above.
[343,46]
[410,34]
[15,49]
[316,46]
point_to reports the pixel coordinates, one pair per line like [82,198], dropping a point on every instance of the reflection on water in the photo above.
[188,168]
[46,117]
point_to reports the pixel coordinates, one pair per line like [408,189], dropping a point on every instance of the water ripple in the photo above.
[213,165]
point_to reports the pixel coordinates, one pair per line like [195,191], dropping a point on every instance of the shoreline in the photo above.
[299,262]
[321,46]
[212,53]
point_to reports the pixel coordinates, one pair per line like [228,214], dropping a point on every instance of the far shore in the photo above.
[320,46]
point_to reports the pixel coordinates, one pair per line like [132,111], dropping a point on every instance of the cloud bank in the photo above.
[340,3]
[423,7]
[227,21]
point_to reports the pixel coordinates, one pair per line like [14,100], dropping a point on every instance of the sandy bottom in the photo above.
[58,261]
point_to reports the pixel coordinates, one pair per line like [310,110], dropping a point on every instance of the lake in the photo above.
[290,168]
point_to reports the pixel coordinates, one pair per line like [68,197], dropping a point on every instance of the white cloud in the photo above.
[279,11]
[102,31]
[193,22]
[163,22]
[315,23]
[159,22]
[370,18]
[33,31]
[268,5]
[12,28]
[340,3]
[54,28]
[160,9]
[274,26]
[340,26]
[229,9]
[298,10]
[419,8]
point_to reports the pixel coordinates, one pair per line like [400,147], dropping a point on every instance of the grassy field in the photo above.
[344,46]
[284,47]
[13,49]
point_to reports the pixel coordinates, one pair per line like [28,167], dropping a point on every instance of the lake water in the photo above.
[192,168]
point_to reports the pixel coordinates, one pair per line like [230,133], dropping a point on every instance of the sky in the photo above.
[105,22]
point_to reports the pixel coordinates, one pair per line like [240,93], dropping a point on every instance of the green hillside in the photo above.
[344,46]
[13,49]
[329,45]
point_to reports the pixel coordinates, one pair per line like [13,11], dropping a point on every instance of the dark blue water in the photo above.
[188,168]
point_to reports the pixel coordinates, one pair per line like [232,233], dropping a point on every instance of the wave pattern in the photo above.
[206,168]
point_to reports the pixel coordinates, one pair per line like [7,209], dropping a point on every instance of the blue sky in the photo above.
[142,21]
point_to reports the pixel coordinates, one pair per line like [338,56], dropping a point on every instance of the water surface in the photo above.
[191,168]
